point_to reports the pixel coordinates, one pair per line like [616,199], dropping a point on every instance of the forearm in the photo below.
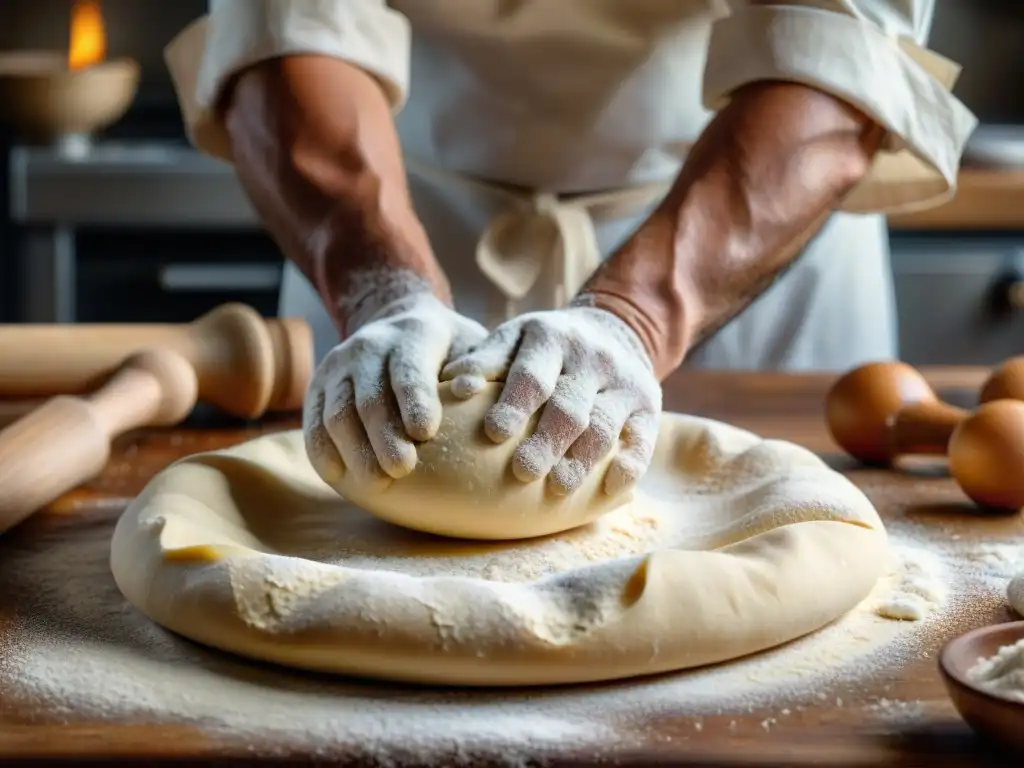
[761,180]
[315,148]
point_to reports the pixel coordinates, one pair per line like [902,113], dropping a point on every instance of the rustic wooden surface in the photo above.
[788,407]
[985,199]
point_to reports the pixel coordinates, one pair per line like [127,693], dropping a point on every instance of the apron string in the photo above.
[541,245]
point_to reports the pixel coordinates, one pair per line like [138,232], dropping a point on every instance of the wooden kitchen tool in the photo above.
[245,365]
[880,411]
[1005,383]
[986,455]
[66,441]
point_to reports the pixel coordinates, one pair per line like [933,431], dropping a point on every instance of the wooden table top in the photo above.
[986,199]
[823,732]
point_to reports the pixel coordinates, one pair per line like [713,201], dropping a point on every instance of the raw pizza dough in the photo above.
[463,484]
[731,545]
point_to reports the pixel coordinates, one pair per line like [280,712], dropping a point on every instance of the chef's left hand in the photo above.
[594,380]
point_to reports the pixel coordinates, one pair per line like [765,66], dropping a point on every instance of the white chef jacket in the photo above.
[539,133]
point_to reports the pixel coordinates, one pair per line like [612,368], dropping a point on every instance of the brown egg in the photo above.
[880,410]
[986,455]
[1005,383]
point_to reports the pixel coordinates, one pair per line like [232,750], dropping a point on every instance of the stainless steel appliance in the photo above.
[135,232]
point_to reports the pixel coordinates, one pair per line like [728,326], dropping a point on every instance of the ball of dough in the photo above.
[463,484]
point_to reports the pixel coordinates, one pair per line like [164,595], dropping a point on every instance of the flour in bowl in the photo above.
[1001,674]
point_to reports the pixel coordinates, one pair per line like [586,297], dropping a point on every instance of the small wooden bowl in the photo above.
[991,715]
[44,100]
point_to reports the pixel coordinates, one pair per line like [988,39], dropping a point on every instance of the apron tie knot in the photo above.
[544,250]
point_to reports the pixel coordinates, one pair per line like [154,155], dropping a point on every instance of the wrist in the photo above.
[355,293]
[367,255]
[639,285]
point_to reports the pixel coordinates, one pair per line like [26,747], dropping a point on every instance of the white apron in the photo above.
[833,309]
[588,107]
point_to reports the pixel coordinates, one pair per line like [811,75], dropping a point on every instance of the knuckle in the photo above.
[339,409]
[359,346]
[527,385]
[411,325]
[463,366]
[604,360]
[368,401]
[537,327]
[602,436]
[337,414]
[570,414]
[411,392]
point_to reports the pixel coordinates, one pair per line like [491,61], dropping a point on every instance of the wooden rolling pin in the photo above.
[245,365]
[66,441]
[880,411]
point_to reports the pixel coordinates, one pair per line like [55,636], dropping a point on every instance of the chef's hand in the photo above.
[594,381]
[376,392]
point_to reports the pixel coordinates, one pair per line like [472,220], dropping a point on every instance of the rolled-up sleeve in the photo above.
[871,54]
[238,33]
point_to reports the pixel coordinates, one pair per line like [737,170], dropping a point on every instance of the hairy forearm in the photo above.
[315,148]
[761,180]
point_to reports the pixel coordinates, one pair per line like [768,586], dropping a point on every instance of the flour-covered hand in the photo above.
[593,379]
[376,392]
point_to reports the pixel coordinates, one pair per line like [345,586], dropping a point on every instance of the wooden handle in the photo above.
[66,441]
[245,365]
[880,411]
[924,428]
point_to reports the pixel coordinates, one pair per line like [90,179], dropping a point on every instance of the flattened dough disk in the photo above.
[731,545]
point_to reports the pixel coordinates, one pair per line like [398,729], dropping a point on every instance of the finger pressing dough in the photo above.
[463,484]
[730,545]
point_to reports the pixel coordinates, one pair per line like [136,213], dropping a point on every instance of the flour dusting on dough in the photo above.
[76,650]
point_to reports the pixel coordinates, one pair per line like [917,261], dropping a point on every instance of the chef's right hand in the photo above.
[376,392]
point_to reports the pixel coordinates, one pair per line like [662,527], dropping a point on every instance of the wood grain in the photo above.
[985,199]
[831,733]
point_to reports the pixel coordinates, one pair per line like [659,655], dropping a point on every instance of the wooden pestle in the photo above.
[66,441]
[879,411]
[883,410]
[245,365]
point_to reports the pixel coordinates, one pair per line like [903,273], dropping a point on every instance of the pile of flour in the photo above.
[76,650]
[1003,673]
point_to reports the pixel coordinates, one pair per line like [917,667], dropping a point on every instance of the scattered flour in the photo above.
[998,559]
[74,649]
[918,587]
[1003,673]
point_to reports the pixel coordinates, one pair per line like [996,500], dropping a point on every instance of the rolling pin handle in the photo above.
[66,441]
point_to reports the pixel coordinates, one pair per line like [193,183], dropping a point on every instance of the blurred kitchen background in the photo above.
[148,230]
